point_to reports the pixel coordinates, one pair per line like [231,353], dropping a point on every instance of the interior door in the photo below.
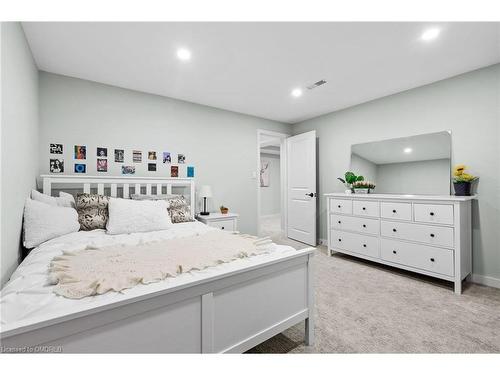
[301,187]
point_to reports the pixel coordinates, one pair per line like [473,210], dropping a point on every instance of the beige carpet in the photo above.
[362,307]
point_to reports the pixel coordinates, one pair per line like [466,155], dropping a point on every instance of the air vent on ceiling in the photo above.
[316,84]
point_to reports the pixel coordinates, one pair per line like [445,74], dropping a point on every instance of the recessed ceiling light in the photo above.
[430,34]
[184,54]
[297,92]
[407,150]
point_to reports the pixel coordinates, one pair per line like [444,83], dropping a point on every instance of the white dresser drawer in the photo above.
[395,210]
[355,224]
[223,224]
[357,243]
[365,208]
[434,213]
[431,234]
[341,206]
[427,258]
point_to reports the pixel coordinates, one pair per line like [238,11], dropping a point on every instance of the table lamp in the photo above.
[205,192]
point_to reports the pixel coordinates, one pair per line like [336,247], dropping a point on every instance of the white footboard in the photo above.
[227,313]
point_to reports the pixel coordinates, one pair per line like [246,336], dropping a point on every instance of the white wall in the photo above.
[19,139]
[419,177]
[468,105]
[363,167]
[270,196]
[220,144]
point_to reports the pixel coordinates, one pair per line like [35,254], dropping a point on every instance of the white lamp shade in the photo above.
[205,191]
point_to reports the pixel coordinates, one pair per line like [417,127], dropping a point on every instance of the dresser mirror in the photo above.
[419,164]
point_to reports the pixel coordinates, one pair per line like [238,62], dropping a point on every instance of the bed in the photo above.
[229,308]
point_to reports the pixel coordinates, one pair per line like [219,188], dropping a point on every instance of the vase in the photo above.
[362,191]
[462,188]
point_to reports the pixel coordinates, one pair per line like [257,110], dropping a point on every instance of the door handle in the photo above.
[311,195]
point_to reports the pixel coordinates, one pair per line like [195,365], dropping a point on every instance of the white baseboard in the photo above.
[485,280]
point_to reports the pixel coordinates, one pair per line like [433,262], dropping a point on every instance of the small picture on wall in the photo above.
[152,155]
[137,156]
[128,169]
[166,157]
[102,152]
[152,167]
[181,158]
[264,174]
[102,165]
[174,171]
[80,152]
[190,171]
[80,168]
[56,165]
[56,148]
[119,156]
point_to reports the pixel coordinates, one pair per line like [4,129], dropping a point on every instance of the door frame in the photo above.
[283,190]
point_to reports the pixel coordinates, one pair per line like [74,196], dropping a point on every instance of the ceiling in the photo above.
[421,147]
[251,68]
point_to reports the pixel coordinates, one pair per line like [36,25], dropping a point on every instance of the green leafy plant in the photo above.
[350,178]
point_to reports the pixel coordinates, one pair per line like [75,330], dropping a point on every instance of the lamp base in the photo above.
[204,213]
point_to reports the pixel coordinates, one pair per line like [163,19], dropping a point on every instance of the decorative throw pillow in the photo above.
[43,222]
[181,214]
[92,211]
[64,199]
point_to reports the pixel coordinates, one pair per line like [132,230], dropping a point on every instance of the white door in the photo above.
[301,187]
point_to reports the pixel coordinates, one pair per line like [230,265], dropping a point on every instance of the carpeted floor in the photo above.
[362,307]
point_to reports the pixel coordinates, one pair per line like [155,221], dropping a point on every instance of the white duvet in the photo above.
[29,297]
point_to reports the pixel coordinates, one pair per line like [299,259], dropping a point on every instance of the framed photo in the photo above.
[102,152]
[102,165]
[174,171]
[152,167]
[181,158]
[151,155]
[56,148]
[128,169]
[119,155]
[56,166]
[137,156]
[80,168]
[166,157]
[190,171]
[264,173]
[80,152]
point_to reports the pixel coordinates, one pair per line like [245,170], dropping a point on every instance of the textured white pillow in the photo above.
[129,216]
[64,199]
[43,222]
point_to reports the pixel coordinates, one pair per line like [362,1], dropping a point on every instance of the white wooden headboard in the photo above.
[125,183]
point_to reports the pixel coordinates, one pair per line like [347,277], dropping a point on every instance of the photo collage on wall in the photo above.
[127,159]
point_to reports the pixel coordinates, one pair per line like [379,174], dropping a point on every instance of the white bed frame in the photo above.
[230,312]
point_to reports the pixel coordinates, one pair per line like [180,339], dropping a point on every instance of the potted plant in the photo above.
[462,181]
[363,187]
[224,210]
[350,179]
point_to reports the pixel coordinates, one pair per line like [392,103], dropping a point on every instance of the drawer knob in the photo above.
[432,235]
[393,211]
[432,259]
[364,225]
[394,252]
[222,227]
[338,206]
[340,222]
[364,245]
[394,230]
[364,208]
[432,214]
[340,239]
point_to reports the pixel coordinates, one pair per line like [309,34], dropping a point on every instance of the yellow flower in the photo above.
[459,169]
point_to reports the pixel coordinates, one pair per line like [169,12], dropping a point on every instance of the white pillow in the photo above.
[43,222]
[64,199]
[129,216]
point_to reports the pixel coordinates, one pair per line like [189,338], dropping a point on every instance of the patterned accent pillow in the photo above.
[181,214]
[92,211]
[177,202]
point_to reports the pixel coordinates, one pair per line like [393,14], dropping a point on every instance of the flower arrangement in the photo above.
[363,185]
[461,180]
[354,182]
[224,210]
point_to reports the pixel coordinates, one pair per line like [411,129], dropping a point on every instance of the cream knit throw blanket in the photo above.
[114,268]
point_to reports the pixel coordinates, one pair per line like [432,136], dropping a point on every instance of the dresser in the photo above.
[430,235]
[227,221]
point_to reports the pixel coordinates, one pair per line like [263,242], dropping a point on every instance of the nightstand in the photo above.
[227,221]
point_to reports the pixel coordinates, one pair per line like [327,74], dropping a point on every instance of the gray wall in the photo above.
[19,139]
[222,145]
[468,105]
[363,167]
[418,177]
[270,196]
